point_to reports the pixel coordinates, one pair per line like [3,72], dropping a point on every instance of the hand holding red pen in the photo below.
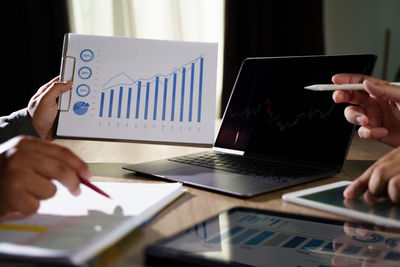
[27,166]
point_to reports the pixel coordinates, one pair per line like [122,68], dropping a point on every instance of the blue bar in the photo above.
[111,103]
[243,236]
[155,100]
[313,244]
[205,230]
[351,250]
[138,99]
[259,238]
[294,242]
[182,93]
[101,104]
[393,256]
[164,98]
[329,247]
[146,104]
[228,233]
[275,222]
[200,89]
[120,102]
[128,108]
[173,98]
[191,93]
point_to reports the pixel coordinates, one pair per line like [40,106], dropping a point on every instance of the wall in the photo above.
[358,26]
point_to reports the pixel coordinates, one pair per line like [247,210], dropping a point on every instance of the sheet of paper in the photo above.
[128,199]
[139,89]
[72,227]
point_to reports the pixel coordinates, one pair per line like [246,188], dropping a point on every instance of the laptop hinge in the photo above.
[228,151]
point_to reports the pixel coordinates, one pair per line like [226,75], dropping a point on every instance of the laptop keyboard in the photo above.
[268,169]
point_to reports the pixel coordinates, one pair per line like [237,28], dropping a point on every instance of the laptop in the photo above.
[274,133]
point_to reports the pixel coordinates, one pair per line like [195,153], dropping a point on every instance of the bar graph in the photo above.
[175,96]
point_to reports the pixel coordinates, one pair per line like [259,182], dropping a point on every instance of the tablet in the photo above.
[250,237]
[330,198]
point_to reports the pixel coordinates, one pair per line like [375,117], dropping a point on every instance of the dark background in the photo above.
[33,48]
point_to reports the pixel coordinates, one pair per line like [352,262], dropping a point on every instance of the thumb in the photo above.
[57,89]
[385,91]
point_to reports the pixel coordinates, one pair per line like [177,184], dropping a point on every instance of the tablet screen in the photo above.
[335,197]
[248,237]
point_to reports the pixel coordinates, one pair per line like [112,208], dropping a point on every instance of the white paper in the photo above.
[139,89]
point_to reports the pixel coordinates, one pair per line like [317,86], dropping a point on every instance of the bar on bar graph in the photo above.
[164,98]
[155,99]
[191,92]
[146,104]
[200,89]
[243,236]
[120,102]
[173,98]
[111,103]
[313,244]
[259,238]
[182,94]
[101,104]
[138,99]
[128,104]
[351,250]
[294,242]
[234,230]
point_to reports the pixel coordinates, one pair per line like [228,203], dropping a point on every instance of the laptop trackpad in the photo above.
[212,179]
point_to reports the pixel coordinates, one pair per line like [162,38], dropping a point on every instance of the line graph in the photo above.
[276,120]
[174,96]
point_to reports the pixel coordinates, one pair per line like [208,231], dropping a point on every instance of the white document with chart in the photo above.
[138,89]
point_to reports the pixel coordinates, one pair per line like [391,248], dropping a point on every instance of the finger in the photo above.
[394,189]
[358,186]
[353,78]
[55,90]
[58,170]
[44,87]
[25,203]
[352,97]
[369,132]
[355,115]
[383,90]
[60,153]
[40,187]
[380,176]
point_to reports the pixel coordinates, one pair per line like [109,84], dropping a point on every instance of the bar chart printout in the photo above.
[139,89]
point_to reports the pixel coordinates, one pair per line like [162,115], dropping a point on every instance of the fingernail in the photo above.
[88,174]
[360,119]
[349,191]
[77,191]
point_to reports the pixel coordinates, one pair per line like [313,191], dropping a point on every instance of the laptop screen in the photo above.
[271,115]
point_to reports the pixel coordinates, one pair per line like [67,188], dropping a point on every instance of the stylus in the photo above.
[332,87]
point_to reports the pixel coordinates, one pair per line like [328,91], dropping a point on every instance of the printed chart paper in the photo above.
[138,89]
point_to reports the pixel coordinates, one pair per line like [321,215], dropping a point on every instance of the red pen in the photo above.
[92,186]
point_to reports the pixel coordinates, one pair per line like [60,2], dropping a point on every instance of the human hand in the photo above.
[382,179]
[377,110]
[43,106]
[26,167]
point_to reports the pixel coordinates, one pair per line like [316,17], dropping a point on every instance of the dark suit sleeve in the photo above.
[18,123]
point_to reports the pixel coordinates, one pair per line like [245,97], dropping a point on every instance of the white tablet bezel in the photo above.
[295,197]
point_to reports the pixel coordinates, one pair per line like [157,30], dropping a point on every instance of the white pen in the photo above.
[332,87]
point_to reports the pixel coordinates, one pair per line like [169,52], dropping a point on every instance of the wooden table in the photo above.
[107,158]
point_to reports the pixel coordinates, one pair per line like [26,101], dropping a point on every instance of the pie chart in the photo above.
[80,108]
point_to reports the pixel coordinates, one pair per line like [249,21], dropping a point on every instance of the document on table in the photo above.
[138,89]
[72,229]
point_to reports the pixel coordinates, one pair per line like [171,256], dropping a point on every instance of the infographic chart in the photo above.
[139,89]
